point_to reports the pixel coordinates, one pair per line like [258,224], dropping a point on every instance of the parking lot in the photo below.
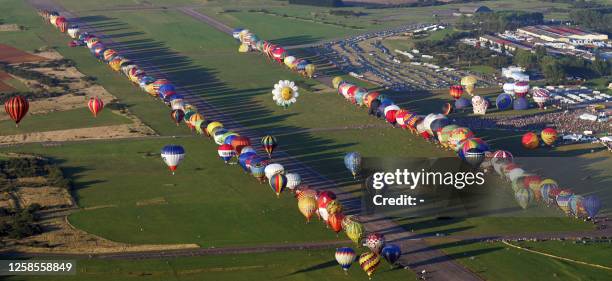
[366,58]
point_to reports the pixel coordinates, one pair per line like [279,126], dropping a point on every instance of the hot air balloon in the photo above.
[95,105]
[172,156]
[352,161]
[563,202]
[390,112]
[336,81]
[335,222]
[479,105]
[520,103]
[273,169]
[240,142]
[391,253]
[524,196]
[278,182]
[468,83]
[324,198]
[457,136]
[462,103]
[444,134]
[503,101]
[285,93]
[354,229]
[521,88]
[509,88]
[549,191]
[474,156]
[530,140]
[369,98]
[293,180]
[591,205]
[540,96]
[549,136]
[17,108]
[226,152]
[456,91]
[258,170]
[334,207]
[401,117]
[269,143]
[304,191]
[369,262]
[247,157]
[575,203]
[310,70]
[345,257]
[375,242]
[307,206]
[502,154]
[447,108]
[213,126]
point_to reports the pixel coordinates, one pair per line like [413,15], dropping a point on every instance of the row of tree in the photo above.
[18,224]
[499,21]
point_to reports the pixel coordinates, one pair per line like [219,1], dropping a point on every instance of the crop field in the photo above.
[71,119]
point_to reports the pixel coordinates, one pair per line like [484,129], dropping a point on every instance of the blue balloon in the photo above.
[173,149]
[391,253]
[175,97]
[380,112]
[386,102]
[503,101]
[521,104]
[229,139]
[243,158]
[352,161]
[462,103]
[591,205]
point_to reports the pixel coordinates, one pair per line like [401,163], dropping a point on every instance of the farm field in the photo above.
[70,119]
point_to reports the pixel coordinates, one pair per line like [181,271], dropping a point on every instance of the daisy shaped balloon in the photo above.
[285,93]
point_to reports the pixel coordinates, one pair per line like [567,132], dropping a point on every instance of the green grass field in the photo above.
[305,265]
[61,120]
[496,261]
[207,63]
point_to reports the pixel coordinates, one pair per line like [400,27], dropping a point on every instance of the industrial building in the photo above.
[571,35]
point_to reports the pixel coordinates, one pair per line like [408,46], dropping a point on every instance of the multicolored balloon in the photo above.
[345,257]
[172,155]
[278,182]
[549,136]
[455,91]
[226,152]
[285,93]
[269,143]
[95,105]
[375,242]
[369,263]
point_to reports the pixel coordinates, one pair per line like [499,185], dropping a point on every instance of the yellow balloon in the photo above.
[307,206]
[287,93]
[369,262]
[310,70]
[468,83]
[212,126]
[336,81]
[334,207]
[354,231]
